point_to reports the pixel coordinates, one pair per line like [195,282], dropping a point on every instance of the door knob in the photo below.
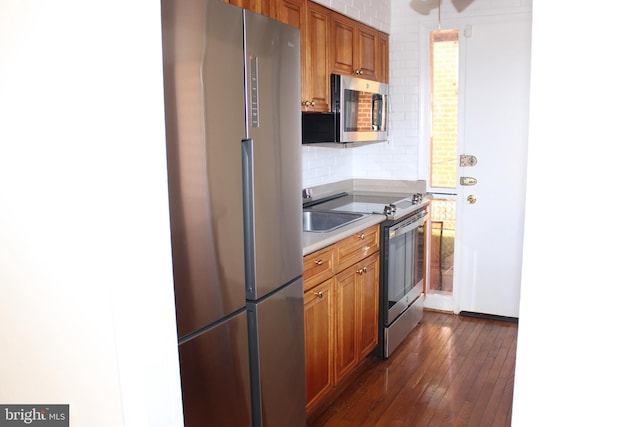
[471,199]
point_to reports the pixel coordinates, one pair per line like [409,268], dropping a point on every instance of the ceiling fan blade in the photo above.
[461,5]
[424,7]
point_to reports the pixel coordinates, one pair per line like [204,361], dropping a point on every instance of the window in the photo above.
[443,157]
[444,108]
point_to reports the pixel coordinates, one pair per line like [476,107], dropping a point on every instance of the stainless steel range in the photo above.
[403,252]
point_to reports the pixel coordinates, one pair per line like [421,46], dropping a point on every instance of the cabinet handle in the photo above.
[319,262]
[307,103]
[319,294]
[313,103]
[361,236]
[362,270]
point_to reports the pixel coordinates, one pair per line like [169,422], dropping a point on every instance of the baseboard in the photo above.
[489,316]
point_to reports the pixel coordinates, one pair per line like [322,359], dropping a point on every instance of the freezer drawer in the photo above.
[214,369]
[276,329]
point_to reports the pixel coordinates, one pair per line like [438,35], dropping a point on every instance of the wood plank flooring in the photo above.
[450,371]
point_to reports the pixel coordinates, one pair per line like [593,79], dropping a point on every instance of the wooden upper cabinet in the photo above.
[264,7]
[383,65]
[355,48]
[331,43]
[291,12]
[367,53]
[316,81]
[313,22]
[343,36]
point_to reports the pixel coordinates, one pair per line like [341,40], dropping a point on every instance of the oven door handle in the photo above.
[403,229]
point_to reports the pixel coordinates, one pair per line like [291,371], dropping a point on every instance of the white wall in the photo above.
[404,157]
[86,306]
[375,13]
[577,356]
[322,165]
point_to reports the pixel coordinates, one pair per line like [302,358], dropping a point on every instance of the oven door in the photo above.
[406,265]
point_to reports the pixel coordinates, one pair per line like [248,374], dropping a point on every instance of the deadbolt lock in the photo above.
[467,160]
[468,180]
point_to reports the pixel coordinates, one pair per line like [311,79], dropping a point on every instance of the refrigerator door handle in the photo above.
[248,219]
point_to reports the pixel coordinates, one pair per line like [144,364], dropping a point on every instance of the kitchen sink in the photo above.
[325,221]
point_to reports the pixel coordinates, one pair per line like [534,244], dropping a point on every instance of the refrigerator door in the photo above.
[274,129]
[276,334]
[204,90]
[214,368]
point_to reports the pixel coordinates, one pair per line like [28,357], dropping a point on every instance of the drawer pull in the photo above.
[319,262]
[319,294]
[362,236]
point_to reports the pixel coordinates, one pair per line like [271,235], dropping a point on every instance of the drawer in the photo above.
[318,267]
[357,247]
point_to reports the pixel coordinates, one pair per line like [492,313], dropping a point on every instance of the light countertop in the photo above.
[312,242]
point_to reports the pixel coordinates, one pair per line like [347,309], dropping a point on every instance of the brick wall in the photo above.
[444,95]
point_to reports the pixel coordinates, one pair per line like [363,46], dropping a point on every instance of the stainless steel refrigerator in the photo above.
[232,91]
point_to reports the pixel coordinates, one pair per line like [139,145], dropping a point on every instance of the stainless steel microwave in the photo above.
[359,113]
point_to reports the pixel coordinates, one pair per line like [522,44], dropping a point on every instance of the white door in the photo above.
[494,104]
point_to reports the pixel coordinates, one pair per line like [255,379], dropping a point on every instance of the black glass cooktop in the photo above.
[361,203]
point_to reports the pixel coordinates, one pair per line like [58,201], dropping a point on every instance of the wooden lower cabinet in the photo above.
[346,356]
[341,313]
[368,316]
[319,341]
[356,314]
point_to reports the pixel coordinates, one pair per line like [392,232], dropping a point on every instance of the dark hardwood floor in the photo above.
[450,371]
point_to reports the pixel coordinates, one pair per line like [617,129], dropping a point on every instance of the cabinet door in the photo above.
[318,343]
[292,12]
[263,7]
[383,58]
[368,284]
[355,48]
[366,51]
[347,301]
[343,37]
[316,82]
